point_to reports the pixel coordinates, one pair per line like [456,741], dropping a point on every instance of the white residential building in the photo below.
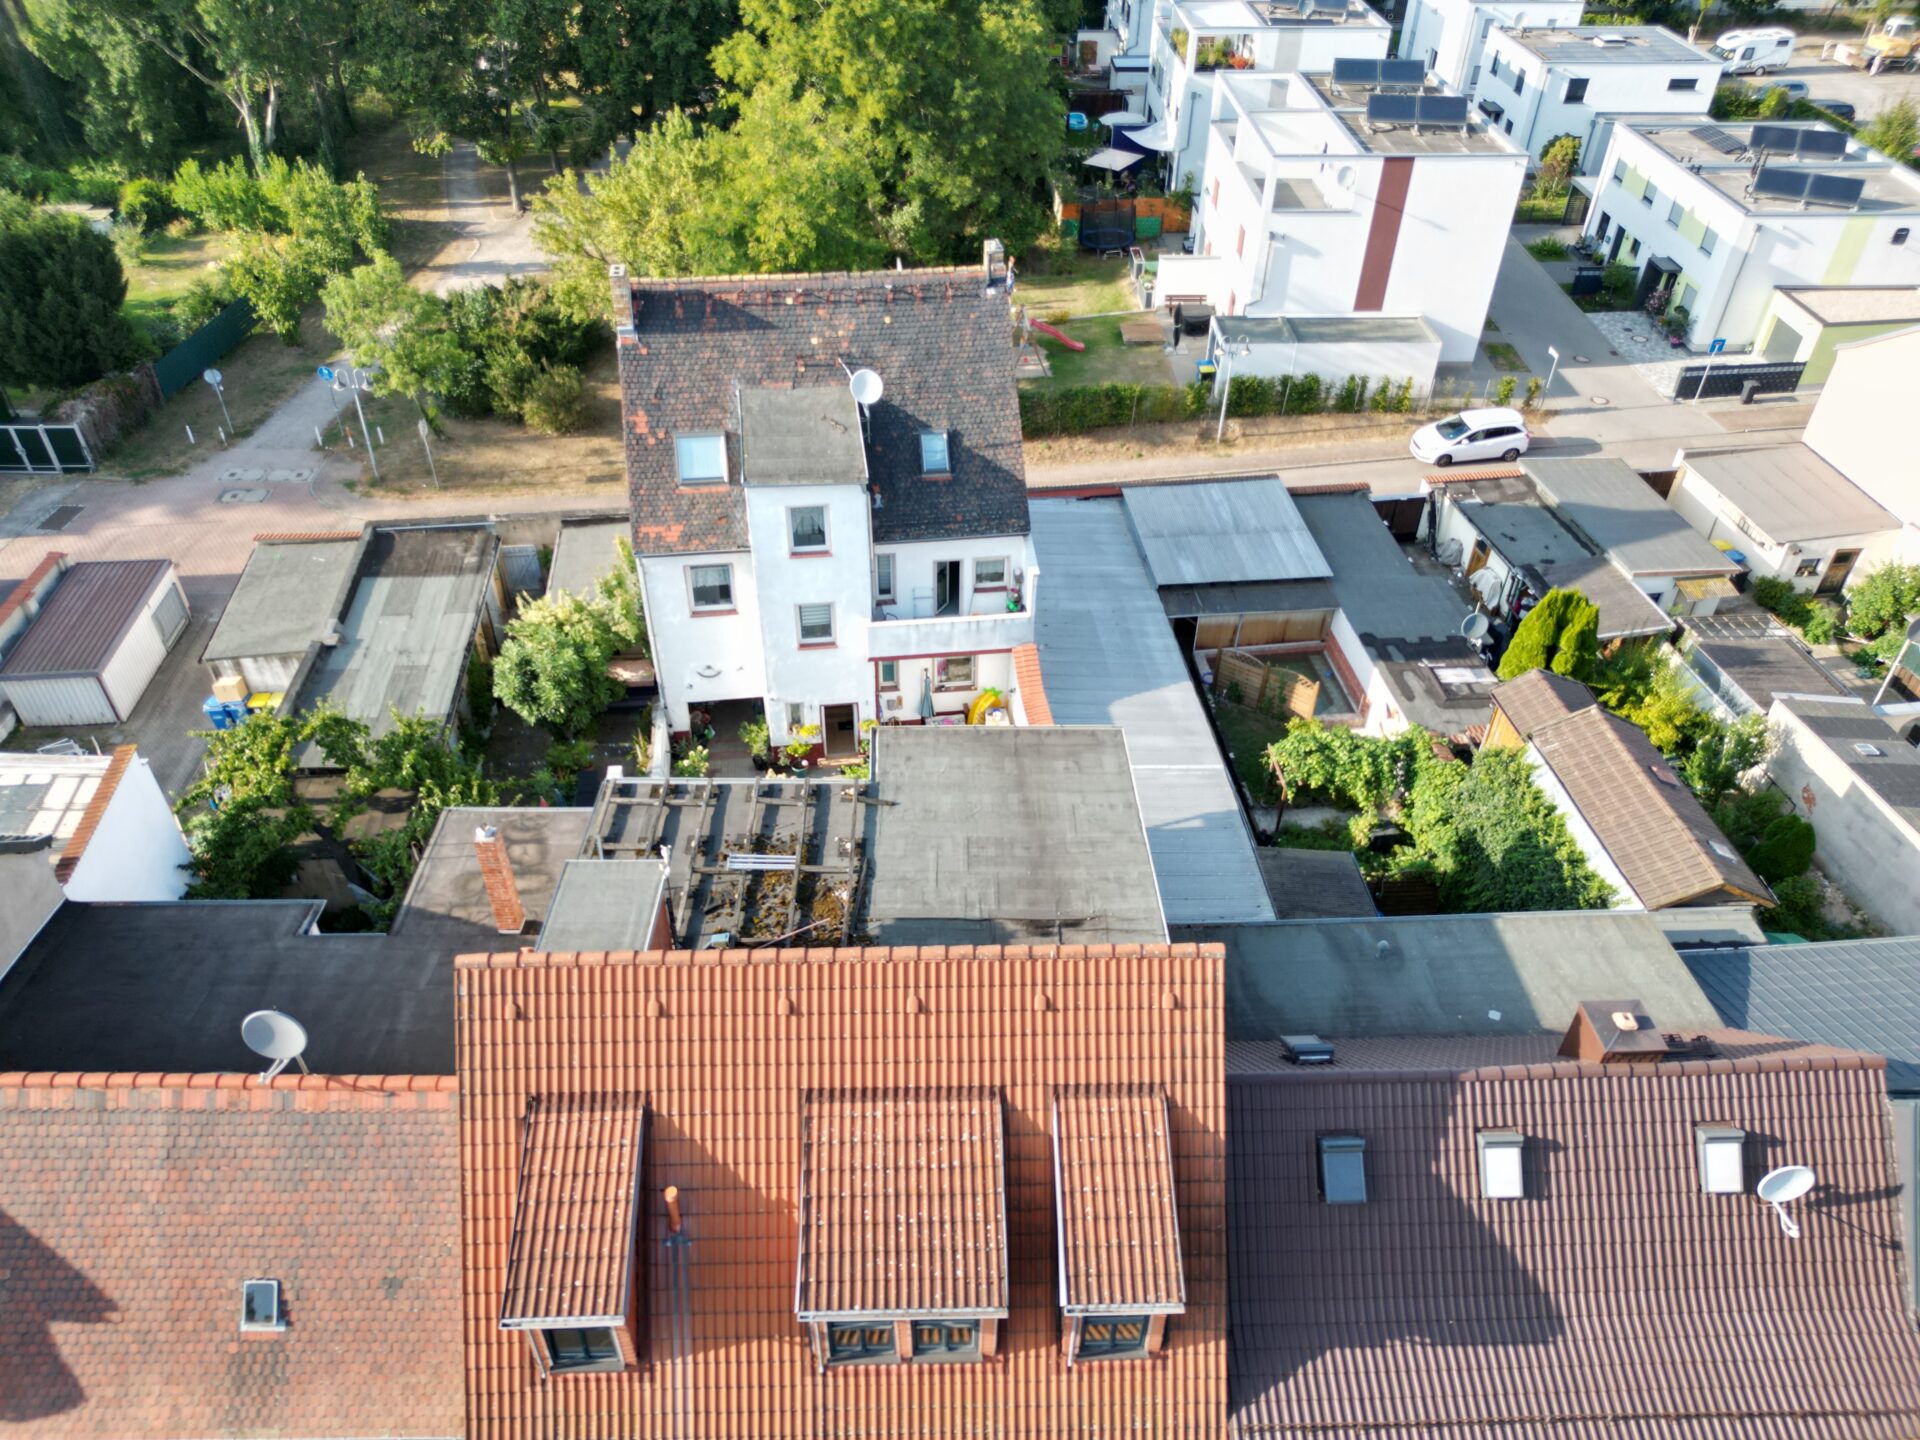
[1861,426]
[1538,84]
[109,833]
[1202,37]
[839,563]
[1311,210]
[1717,211]
[1449,35]
[1122,44]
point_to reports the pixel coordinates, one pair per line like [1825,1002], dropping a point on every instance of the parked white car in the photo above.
[1472,435]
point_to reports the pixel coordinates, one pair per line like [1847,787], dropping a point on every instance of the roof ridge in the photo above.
[530,959]
[364,1086]
[96,810]
[665,282]
[1565,1069]
[20,593]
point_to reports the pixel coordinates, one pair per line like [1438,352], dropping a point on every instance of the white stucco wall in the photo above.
[1863,423]
[1708,511]
[1538,111]
[133,663]
[702,658]
[136,851]
[1451,34]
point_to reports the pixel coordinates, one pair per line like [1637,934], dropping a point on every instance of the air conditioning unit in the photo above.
[891,702]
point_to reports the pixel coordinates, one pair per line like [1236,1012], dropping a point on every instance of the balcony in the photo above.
[900,639]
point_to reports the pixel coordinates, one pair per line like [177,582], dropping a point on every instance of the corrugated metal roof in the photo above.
[1373,580]
[1222,532]
[1111,659]
[1606,501]
[84,620]
[287,596]
[1788,492]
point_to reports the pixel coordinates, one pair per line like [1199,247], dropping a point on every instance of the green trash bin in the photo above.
[1146,227]
[1070,229]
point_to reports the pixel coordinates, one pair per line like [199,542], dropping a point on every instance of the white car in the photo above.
[1472,435]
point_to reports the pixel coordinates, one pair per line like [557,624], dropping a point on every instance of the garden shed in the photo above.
[96,643]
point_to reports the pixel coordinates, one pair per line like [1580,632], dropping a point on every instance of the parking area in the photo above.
[1830,80]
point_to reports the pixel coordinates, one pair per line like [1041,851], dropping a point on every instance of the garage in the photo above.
[96,643]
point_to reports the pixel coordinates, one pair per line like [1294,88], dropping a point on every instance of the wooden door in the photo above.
[1838,568]
[840,731]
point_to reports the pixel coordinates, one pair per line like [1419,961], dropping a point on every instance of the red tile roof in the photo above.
[1614,1299]
[1119,1226]
[96,810]
[726,1045]
[133,1208]
[903,1203]
[1454,475]
[301,537]
[572,1246]
[24,591]
[1031,685]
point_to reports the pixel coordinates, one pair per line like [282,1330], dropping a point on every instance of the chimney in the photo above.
[672,1197]
[1613,1032]
[509,915]
[622,288]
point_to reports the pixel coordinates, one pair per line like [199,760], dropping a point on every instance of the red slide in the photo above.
[1066,340]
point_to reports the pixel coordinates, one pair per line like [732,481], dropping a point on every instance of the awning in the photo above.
[1111,159]
[1123,117]
[1706,587]
[1491,109]
[1157,136]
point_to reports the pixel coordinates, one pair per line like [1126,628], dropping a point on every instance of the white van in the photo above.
[1753,52]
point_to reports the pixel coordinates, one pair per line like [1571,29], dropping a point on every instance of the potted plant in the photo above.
[753,735]
[1677,321]
[801,745]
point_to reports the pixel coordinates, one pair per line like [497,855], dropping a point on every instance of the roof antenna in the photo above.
[1780,1188]
[276,1037]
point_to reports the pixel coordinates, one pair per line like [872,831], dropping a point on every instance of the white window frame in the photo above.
[1006,573]
[1584,82]
[800,625]
[693,602]
[794,547]
[679,465]
[885,577]
[940,667]
[796,715]
[880,675]
[277,1321]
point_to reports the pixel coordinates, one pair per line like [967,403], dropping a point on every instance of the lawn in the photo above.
[1106,360]
[171,264]
[1247,734]
[1060,279]
[1541,212]
[1504,357]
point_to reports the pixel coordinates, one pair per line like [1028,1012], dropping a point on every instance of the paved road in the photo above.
[492,243]
[1830,80]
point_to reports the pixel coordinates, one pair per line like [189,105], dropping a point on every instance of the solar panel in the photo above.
[1822,142]
[1719,139]
[1403,72]
[1440,109]
[1783,138]
[1392,109]
[1835,189]
[1781,184]
[1350,71]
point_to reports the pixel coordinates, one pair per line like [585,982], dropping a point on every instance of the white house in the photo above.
[1862,426]
[1449,35]
[1791,515]
[109,833]
[838,562]
[1325,198]
[1538,83]
[1204,37]
[1726,213]
[1122,43]
[95,642]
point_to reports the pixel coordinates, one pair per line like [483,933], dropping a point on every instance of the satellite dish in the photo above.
[1781,1187]
[1474,626]
[867,386]
[276,1037]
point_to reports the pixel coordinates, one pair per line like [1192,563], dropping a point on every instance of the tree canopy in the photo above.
[61,287]
[552,668]
[1561,634]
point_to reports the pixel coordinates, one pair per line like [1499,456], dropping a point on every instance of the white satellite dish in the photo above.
[867,386]
[276,1037]
[1781,1187]
[1474,626]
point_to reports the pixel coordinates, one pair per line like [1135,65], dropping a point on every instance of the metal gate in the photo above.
[1721,381]
[43,450]
[520,568]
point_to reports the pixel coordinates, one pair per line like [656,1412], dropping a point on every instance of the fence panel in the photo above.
[34,449]
[1717,382]
[183,364]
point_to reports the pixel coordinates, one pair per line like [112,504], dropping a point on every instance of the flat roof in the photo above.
[1893,774]
[810,435]
[84,620]
[1314,884]
[1856,304]
[585,551]
[1607,502]
[1110,658]
[1789,492]
[1578,46]
[1717,151]
[1009,835]
[1222,532]
[1349,103]
[408,630]
[46,795]
[288,595]
[1211,15]
[1759,655]
[1326,329]
[604,905]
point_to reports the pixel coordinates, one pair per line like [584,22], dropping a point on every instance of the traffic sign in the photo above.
[1716,347]
[325,372]
[212,377]
[426,430]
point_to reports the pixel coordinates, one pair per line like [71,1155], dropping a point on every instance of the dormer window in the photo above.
[594,1348]
[933,453]
[702,459]
[1121,1278]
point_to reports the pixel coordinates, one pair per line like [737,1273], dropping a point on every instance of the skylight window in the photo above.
[1721,1151]
[1343,1169]
[933,453]
[1501,1174]
[702,459]
[260,1305]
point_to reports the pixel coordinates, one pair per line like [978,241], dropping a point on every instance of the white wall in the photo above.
[1708,511]
[991,671]
[136,851]
[132,665]
[1452,236]
[913,571]
[28,897]
[1396,360]
[1863,423]
[1450,34]
[1540,111]
[702,658]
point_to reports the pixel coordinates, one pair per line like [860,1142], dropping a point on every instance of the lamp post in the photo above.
[1226,381]
[1552,370]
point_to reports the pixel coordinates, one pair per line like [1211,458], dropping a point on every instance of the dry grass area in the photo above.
[499,456]
[411,188]
[1194,438]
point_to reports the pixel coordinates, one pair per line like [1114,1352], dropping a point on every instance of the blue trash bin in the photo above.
[217,713]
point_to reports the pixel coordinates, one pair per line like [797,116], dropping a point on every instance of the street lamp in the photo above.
[1226,381]
[1552,370]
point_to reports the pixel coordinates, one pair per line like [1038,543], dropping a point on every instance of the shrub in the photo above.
[1547,248]
[1744,815]
[147,203]
[1823,624]
[227,197]
[556,402]
[1884,598]
[129,243]
[1534,387]
[1252,395]
[1403,397]
[181,228]
[205,297]
[1784,851]
[1304,396]
[753,735]
[1503,392]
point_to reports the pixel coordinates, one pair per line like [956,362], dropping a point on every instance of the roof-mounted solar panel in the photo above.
[1440,109]
[1348,70]
[1719,139]
[1781,184]
[1822,141]
[1392,109]
[1784,139]
[1835,189]
[1403,72]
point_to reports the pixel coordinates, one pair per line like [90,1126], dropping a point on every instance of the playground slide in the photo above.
[1066,340]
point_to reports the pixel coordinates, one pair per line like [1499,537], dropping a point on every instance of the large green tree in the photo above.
[552,669]
[1561,633]
[637,59]
[61,287]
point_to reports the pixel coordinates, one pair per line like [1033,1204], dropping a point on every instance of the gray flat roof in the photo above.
[1533,539]
[1759,656]
[604,905]
[1314,884]
[806,435]
[1856,994]
[584,552]
[447,905]
[1893,774]
[1454,975]
[287,596]
[1110,658]
[1349,103]
[1608,503]
[1575,47]
[1222,532]
[83,621]
[1856,304]
[1009,835]
[1326,329]
[1188,601]
[1696,143]
[1789,492]
[408,630]
[1373,578]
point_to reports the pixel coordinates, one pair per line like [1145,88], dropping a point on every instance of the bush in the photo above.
[129,243]
[1744,815]
[147,203]
[1824,624]
[693,763]
[556,402]
[1784,851]
[1800,909]
[205,297]
[1503,392]
[227,197]
[61,288]
[1884,599]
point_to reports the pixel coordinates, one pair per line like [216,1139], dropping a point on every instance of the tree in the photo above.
[1882,599]
[385,323]
[552,669]
[1558,163]
[243,851]
[1564,621]
[1784,851]
[61,287]
[1722,754]
[1895,131]
[270,272]
[638,59]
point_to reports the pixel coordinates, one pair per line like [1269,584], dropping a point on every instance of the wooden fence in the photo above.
[1174,217]
[1263,686]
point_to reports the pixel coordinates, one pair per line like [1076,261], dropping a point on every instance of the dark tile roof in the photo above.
[1861,994]
[940,343]
[84,620]
[1314,884]
[134,1207]
[1539,696]
[1614,1299]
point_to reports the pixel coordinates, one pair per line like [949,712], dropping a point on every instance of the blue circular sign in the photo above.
[325,372]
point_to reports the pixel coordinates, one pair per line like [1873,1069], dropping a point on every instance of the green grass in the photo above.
[169,266]
[1105,360]
[1248,733]
[1540,212]
[1547,248]
[1059,279]
[1505,357]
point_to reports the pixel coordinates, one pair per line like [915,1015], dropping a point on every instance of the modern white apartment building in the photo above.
[1861,426]
[1122,43]
[1538,84]
[840,562]
[1317,204]
[1196,40]
[1449,35]
[1728,212]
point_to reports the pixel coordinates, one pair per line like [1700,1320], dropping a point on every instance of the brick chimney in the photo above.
[1613,1032]
[509,915]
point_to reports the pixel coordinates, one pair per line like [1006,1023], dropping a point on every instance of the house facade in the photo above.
[1725,214]
[1860,426]
[1451,35]
[1538,83]
[842,560]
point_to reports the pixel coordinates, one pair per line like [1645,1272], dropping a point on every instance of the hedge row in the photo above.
[1076,409]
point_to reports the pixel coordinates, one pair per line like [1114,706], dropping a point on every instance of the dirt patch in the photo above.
[411,188]
[1194,439]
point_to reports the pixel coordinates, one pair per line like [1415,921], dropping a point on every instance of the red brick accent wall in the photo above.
[509,915]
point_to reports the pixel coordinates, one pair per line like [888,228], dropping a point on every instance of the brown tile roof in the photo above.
[903,1203]
[96,810]
[939,342]
[725,1045]
[571,1250]
[1657,833]
[133,1208]
[1533,699]
[1613,1300]
[1454,475]
[1119,1225]
[1032,686]
[301,537]
[85,618]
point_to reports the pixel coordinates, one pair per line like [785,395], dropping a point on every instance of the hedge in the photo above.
[1076,409]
